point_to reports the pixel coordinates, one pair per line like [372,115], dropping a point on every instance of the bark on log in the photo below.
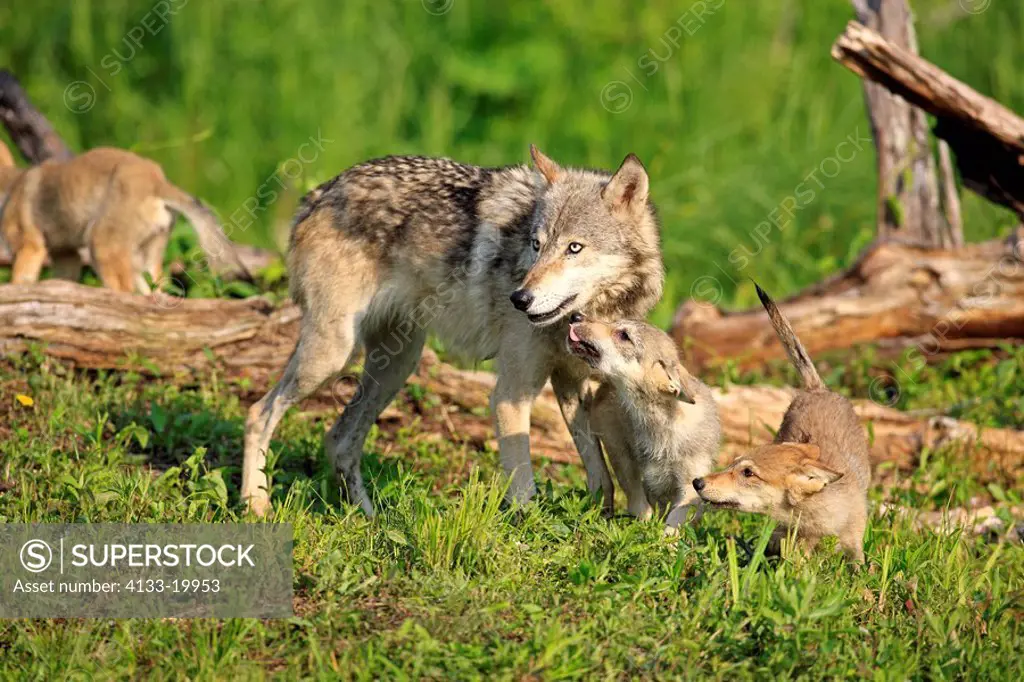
[28,128]
[253,258]
[897,295]
[987,138]
[908,196]
[103,329]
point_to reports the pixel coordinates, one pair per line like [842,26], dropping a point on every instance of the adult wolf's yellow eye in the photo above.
[575,247]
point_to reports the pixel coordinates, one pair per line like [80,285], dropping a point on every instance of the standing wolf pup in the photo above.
[658,423]
[815,475]
[115,203]
[393,247]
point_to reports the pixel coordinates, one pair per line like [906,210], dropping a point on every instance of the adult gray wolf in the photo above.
[493,260]
[116,204]
[814,477]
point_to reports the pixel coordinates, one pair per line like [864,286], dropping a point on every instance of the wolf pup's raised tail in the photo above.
[221,252]
[794,349]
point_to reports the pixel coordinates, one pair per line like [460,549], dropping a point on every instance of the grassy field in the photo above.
[444,584]
[731,105]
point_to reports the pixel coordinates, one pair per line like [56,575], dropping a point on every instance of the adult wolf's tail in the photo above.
[212,240]
[794,349]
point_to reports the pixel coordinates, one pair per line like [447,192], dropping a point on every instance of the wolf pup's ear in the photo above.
[810,477]
[670,381]
[628,188]
[545,166]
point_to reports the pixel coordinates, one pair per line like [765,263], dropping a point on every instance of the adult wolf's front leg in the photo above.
[570,389]
[520,379]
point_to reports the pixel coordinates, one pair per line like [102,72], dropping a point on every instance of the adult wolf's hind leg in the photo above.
[392,353]
[319,355]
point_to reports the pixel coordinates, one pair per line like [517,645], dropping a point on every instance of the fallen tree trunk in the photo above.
[99,328]
[253,258]
[897,295]
[28,128]
[986,137]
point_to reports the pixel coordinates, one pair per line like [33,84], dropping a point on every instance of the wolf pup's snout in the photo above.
[698,484]
[576,317]
[521,299]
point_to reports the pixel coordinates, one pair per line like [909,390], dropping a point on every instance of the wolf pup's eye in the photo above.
[748,472]
[535,244]
[622,335]
[574,247]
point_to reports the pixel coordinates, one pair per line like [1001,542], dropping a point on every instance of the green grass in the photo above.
[729,124]
[446,584]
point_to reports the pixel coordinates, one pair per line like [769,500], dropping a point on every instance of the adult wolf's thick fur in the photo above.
[395,247]
[113,202]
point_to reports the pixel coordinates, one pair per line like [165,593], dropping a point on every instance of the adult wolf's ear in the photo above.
[671,381]
[627,190]
[545,166]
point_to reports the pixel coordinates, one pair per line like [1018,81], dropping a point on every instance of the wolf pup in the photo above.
[657,422]
[111,201]
[493,260]
[815,475]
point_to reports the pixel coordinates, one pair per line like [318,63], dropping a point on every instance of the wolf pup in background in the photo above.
[657,422]
[113,202]
[493,260]
[815,475]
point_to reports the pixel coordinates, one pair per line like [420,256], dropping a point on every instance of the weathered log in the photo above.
[28,128]
[252,257]
[987,138]
[100,328]
[895,295]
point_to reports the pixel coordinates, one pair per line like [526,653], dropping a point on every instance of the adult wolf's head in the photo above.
[594,244]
